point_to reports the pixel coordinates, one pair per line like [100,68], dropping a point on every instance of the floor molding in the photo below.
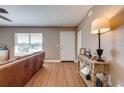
[56,61]
[52,61]
[75,60]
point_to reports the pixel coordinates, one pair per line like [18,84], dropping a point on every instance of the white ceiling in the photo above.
[44,15]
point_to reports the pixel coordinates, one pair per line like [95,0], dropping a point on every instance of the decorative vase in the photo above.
[99,53]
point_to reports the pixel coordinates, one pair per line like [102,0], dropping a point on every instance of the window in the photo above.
[26,43]
[36,42]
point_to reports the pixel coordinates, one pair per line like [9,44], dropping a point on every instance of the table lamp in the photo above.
[99,26]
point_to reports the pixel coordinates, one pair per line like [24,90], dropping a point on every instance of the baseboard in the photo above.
[56,61]
[52,61]
[75,60]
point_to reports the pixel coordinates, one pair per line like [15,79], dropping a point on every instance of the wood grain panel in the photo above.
[64,74]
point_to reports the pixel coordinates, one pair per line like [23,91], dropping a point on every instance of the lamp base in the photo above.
[100,60]
[99,53]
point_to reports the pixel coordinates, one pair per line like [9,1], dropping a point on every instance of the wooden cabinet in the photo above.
[4,55]
[95,67]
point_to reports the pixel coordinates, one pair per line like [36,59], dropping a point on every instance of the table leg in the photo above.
[93,79]
[105,79]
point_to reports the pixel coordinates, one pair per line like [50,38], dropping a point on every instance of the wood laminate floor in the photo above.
[64,74]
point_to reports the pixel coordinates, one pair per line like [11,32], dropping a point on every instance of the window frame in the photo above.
[15,42]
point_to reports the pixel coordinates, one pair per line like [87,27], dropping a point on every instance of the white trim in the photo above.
[56,61]
[52,61]
[75,60]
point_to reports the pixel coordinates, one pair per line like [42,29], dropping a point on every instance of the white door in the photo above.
[79,38]
[67,45]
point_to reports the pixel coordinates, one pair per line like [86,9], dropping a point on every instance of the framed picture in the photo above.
[82,51]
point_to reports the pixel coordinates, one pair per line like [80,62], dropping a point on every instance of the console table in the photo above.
[94,67]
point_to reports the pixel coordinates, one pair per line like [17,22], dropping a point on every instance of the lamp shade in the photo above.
[100,25]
